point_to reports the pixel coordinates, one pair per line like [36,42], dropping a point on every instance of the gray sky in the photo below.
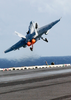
[15,15]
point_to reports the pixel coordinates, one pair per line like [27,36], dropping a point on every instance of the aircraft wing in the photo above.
[21,43]
[46,28]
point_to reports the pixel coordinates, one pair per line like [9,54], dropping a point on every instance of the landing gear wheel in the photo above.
[46,40]
[31,48]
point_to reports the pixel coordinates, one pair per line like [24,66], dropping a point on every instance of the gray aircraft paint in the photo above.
[33,34]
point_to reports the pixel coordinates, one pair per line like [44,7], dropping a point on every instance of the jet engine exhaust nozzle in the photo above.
[31,43]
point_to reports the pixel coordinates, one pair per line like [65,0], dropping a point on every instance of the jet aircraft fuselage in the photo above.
[33,35]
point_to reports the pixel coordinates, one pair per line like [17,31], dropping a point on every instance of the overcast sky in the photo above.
[15,15]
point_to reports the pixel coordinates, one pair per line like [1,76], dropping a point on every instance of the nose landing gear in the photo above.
[31,48]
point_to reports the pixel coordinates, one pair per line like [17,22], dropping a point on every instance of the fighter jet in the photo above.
[32,36]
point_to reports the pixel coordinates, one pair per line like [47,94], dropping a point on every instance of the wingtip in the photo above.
[15,31]
[4,52]
[60,18]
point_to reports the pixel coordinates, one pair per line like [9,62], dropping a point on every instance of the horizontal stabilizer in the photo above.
[20,35]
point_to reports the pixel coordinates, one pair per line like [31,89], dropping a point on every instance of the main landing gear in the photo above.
[31,48]
[44,39]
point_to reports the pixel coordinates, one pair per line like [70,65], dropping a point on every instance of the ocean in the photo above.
[6,63]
